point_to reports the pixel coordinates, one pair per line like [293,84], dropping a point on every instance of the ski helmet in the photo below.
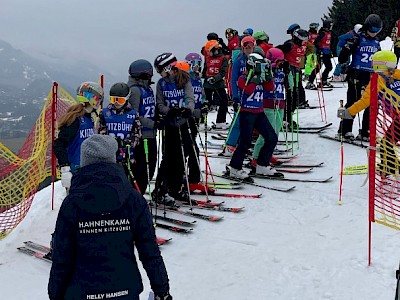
[292,28]
[275,55]
[141,68]
[357,28]
[248,31]
[229,31]
[119,89]
[261,36]
[211,45]
[182,65]
[90,92]
[254,62]
[246,40]
[384,60]
[212,36]
[164,60]
[259,50]
[327,23]
[300,34]
[314,26]
[373,23]
[192,57]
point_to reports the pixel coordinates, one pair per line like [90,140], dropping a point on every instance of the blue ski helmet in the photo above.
[292,28]
[248,31]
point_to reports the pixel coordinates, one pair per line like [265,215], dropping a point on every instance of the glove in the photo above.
[186,112]
[352,42]
[235,106]
[204,108]
[343,113]
[344,68]
[173,112]
[66,177]
[268,70]
[211,80]
[159,124]
[165,296]
[256,79]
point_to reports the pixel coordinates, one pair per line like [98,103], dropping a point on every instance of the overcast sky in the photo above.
[113,33]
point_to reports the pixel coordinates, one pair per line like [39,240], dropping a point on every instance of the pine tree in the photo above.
[347,13]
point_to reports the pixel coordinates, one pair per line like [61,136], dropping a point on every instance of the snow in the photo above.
[297,245]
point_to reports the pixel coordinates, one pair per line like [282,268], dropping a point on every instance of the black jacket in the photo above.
[98,225]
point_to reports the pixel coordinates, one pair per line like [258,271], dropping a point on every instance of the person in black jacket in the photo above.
[98,226]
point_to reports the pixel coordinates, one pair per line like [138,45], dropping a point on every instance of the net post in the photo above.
[372,158]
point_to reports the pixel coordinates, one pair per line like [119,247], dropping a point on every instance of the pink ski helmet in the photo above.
[274,55]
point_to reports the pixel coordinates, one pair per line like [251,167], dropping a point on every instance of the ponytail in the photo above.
[73,112]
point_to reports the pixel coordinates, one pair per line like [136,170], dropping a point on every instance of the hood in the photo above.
[100,187]
[133,81]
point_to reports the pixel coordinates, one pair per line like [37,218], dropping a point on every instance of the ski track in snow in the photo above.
[296,245]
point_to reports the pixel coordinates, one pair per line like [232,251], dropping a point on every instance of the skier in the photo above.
[292,28]
[239,67]
[122,122]
[233,46]
[142,100]
[339,74]
[396,39]
[175,101]
[99,225]
[262,40]
[384,63]
[213,73]
[248,32]
[74,127]
[360,47]
[252,116]
[274,101]
[324,54]
[311,57]
[294,50]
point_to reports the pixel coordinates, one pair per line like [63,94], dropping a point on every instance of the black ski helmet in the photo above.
[141,68]
[300,35]
[164,60]
[373,23]
[120,89]
[327,23]
[212,36]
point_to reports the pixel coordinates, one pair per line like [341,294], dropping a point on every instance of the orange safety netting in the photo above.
[21,174]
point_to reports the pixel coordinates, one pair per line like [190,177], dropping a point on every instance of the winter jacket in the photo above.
[365,99]
[69,135]
[219,77]
[98,226]
[138,86]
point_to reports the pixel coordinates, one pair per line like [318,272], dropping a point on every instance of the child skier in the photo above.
[252,116]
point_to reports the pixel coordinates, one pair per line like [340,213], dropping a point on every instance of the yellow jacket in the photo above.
[364,101]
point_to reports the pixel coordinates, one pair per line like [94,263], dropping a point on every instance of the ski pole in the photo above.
[207,164]
[185,166]
[341,158]
[237,113]
[146,152]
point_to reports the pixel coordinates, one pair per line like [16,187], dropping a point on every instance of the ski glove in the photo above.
[66,177]
[256,79]
[343,113]
[166,296]
[235,107]
[211,80]
[173,112]
[204,108]
[344,68]
[267,71]
[186,112]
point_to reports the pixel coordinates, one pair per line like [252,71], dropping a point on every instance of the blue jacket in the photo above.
[98,225]
[238,68]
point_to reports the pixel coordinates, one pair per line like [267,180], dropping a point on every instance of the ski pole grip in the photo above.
[248,76]
[341,103]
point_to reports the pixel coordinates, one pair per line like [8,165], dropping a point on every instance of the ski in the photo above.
[346,141]
[219,138]
[300,165]
[315,127]
[250,181]
[173,228]
[162,241]
[37,247]
[229,194]
[216,208]
[173,220]
[204,202]
[194,214]
[316,180]
[34,253]
[312,131]
[293,170]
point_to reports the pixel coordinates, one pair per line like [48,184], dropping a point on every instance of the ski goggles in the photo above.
[248,45]
[168,68]
[374,29]
[118,99]
[93,99]
[229,36]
